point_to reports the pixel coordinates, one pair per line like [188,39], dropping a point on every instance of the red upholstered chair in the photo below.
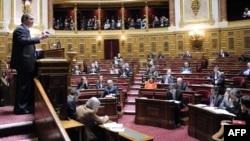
[205,95]
[239,81]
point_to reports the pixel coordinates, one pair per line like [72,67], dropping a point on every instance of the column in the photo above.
[223,10]
[146,14]
[99,17]
[123,20]
[75,18]
[50,14]
[171,13]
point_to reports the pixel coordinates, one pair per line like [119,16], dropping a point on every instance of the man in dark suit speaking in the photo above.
[23,59]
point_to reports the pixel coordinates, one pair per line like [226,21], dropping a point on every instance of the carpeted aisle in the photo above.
[159,134]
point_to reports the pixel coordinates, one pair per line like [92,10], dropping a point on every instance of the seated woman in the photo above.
[86,114]
[83,84]
[100,84]
[150,84]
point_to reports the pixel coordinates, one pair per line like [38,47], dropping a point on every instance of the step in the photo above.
[133,92]
[16,127]
[131,100]
[129,110]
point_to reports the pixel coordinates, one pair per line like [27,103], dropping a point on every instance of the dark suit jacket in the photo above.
[183,86]
[212,75]
[82,86]
[178,97]
[187,56]
[122,72]
[23,50]
[93,70]
[89,118]
[100,85]
[217,100]
[170,79]
[225,54]
[71,106]
[112,90]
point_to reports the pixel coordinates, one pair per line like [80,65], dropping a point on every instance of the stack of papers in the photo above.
[113,126]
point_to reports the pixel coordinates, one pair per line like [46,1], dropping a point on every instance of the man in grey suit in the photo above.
[23,59]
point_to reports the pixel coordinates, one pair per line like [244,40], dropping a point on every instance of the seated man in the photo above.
[175,94]
[187,55]
[110,90]
[181,85]
[83,84]
[223,53]
[76,70]
[71,104]
[160,56]
[246,71]
[214,75]
[186,68]
[167,78]
[86,114]
[151,72]
[215,98]
[122,72]
[97,66]
[92,69]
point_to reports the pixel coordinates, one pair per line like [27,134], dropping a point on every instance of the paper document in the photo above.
[117,127]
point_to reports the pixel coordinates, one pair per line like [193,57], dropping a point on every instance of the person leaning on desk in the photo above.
[86,114]
[242,119]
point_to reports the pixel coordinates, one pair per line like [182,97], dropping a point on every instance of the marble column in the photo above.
[223,10]
[171,13]
[50,14]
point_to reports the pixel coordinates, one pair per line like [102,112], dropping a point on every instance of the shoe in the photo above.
[22,112]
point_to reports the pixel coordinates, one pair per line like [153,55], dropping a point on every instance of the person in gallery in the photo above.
[23,59]
[222,53]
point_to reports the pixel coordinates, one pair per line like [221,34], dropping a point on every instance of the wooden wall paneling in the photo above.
[247,42]
[231,43]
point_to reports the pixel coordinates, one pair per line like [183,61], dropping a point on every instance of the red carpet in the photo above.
[159,134]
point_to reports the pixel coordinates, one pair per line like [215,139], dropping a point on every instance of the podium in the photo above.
[53,75]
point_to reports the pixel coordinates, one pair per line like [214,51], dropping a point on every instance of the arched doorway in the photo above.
[111,48]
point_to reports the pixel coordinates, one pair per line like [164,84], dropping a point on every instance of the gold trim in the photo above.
[209,20]
[1,11]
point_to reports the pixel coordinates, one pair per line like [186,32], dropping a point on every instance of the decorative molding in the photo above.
[203,15]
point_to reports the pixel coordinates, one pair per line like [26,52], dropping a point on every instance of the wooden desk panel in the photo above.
[203,123]
[159,113]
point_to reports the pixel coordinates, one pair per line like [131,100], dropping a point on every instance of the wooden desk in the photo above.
[204,123]
[159,113]
[70,124]
[131,135]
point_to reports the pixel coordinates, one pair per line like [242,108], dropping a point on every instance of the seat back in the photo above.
[239,81]
[205,95]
